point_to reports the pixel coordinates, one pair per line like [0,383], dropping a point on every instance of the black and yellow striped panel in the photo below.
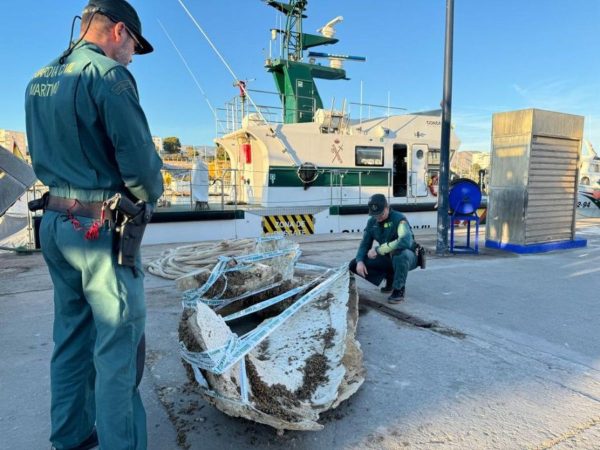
[289,224]
[482,213]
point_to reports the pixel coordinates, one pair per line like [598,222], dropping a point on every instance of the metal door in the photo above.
[305,95]
[418,170]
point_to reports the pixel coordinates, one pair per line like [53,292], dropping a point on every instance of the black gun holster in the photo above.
[421,255]
[130,223]
[38,203]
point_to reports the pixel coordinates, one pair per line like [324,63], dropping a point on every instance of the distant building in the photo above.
[461,164]
[14,141]
[482,159]
[187,150]
[158,144]
[466,164]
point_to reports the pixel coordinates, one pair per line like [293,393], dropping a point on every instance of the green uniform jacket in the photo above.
[394,233]
[88,136]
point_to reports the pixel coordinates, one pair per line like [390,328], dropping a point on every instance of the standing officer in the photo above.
[89,139]
[395,255]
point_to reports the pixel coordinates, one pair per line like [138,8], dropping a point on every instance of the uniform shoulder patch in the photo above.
[121,86]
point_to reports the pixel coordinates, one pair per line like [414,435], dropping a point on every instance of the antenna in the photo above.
[335,61]
[327,30]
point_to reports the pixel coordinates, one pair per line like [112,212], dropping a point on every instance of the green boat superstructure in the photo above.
[314,156]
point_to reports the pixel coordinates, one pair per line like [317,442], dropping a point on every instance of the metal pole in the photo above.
[361,103]
[341,188]
[330,188]
[235,180]
[360,187]
[222,192]
[388,111]
[442,216]
[191,190]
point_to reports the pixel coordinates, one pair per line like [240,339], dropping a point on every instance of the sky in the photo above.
[508,55]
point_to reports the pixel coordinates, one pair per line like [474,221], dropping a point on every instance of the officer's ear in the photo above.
[118,33]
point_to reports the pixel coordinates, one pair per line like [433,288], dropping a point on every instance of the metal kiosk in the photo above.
[533,184]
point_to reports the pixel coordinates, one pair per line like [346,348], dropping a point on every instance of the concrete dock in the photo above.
[489,351]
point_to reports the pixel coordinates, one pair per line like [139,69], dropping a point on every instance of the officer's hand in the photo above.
[372,254]
[361,269]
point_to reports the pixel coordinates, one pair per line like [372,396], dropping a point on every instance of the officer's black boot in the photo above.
[397,296]
[90,443]
[388,285]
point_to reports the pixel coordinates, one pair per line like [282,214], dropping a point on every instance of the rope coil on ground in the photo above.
[179,261]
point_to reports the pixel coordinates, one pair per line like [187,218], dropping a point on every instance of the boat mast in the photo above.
[293,77]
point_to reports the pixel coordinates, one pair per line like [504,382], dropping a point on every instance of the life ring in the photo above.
[308,173]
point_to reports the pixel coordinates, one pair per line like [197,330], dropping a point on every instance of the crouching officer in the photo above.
[395,255]
[89,140]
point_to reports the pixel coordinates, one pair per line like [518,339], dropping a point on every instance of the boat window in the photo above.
[433,157]
[368,156]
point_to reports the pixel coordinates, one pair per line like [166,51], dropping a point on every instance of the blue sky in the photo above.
[508,54]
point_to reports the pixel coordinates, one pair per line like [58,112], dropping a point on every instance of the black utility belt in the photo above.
[128,218]
[71,206]
[92,210]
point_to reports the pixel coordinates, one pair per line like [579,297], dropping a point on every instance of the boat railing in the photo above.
[232,189]
[231,117]
[268,104]
[227,189]
[336,186]
[367,111]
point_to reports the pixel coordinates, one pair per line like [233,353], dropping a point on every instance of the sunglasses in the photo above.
[137,48]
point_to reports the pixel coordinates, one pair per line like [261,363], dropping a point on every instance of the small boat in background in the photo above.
[588,200]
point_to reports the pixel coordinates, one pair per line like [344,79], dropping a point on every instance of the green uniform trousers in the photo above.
[403,261]
[394,267]
[99,318]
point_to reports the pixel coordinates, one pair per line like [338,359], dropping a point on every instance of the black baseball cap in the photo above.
[377,204]
[121,11]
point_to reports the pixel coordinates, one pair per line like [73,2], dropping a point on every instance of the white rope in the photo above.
[174,263]
[193,76]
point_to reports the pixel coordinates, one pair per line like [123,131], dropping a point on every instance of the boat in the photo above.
[302,168]
[588,198]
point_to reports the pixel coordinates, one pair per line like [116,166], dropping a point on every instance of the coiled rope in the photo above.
[179,261]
